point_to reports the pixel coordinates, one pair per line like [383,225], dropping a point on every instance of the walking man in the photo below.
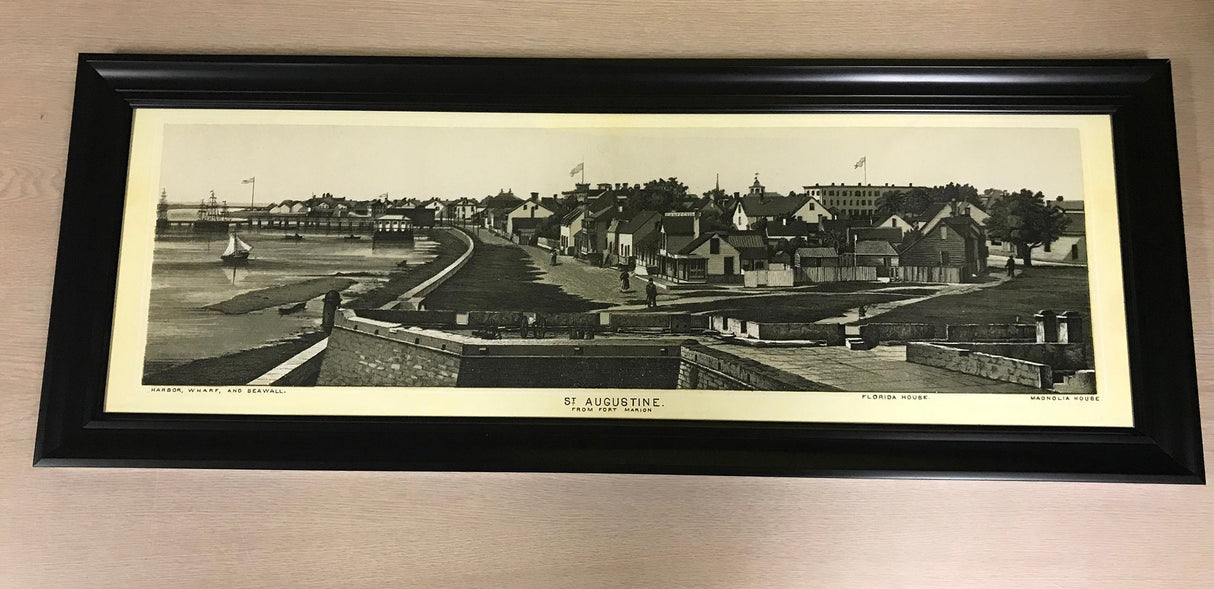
[651,294]
[1011,267]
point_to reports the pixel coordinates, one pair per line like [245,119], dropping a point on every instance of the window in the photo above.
[944,233]
[714,246]
[893,222]
[811,206]
[944,258]
[1074,251]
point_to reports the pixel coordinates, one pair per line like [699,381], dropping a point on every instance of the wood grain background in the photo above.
[123,528]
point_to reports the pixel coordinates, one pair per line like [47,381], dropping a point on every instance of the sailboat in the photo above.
[237,251]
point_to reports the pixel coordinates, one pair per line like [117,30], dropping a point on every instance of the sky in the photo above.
[361,162]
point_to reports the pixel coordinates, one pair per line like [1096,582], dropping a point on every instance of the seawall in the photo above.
[369,352]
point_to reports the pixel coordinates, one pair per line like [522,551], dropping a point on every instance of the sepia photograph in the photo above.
[638,253]
[806,273]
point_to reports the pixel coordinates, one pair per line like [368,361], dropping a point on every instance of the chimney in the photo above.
[695,224]
[535,195]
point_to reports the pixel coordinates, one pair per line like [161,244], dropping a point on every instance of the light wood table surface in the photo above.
[166,528]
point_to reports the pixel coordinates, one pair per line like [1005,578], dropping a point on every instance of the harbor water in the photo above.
[187,276]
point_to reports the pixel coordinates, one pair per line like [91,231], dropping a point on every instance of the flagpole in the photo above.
[253,193]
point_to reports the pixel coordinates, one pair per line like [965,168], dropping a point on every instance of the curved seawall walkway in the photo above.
[428,285]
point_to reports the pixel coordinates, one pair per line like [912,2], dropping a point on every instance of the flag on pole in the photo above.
[576,169]
[861,163]
[248,180]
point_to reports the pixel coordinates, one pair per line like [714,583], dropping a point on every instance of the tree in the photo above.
[915,200]
[717,196]
[1027,221]
[789,247]
[714,220]
[954,193]
[904,202]
[658,195]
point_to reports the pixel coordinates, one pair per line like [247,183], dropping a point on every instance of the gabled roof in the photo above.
[882,220]
[932,210]
[750,244]
[678,224]
[573,215]
[875,248]
[772,205]
[1076,226]
[1069,205]
[516,206]
[965,224]
[817,252]
[646,240]
[962,224]
[502,200]
[606,213]
[697,242]
[640,220]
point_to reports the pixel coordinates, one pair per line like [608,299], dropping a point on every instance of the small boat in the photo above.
[296,237]
[352,237]
[297,307]
[237,251]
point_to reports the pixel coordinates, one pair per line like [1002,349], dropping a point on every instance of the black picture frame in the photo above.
[1164,445]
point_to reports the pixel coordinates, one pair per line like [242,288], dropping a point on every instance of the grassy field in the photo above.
[798,308]
[503,278]
[1040,287]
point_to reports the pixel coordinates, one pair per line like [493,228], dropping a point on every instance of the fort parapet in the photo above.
[371,352]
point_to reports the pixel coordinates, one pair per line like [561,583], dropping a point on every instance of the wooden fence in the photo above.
[835,274]
[938,274]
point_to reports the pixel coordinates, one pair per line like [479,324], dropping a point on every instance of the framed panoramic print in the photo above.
[837,268]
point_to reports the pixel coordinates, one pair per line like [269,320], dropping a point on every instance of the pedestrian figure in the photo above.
[553,262]
[523,325]
[624,286]
[863,311]
[1011,267]
[651,294]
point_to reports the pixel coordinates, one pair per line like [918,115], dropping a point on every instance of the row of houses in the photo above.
[823,226]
